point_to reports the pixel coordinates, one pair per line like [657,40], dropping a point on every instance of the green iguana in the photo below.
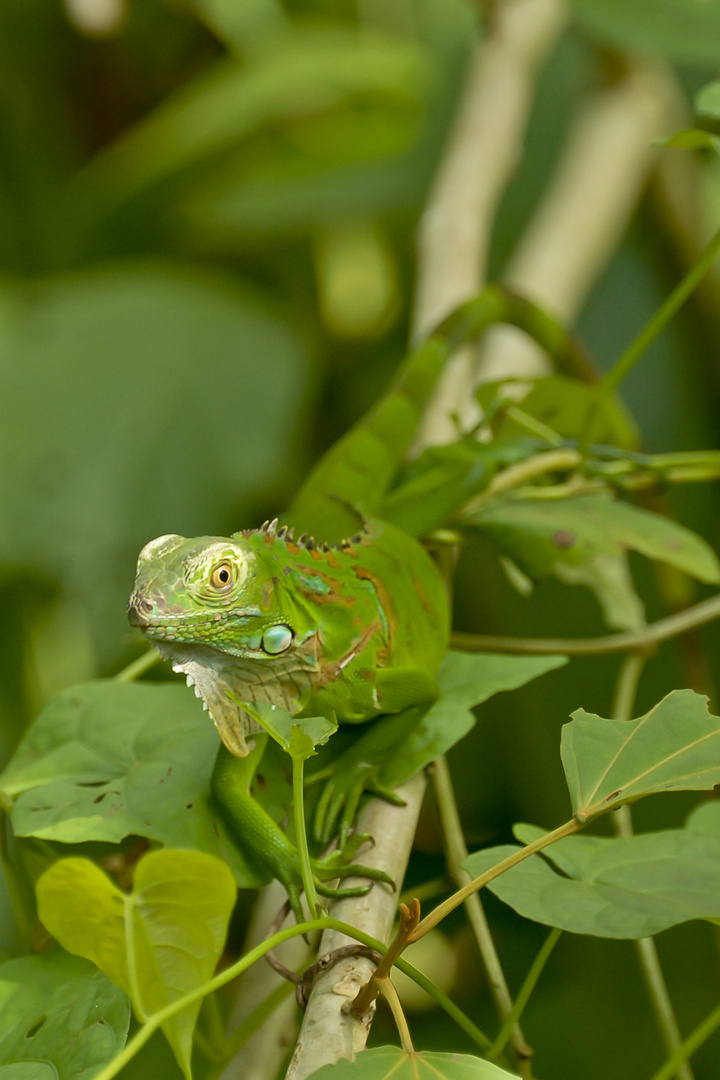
[351,619]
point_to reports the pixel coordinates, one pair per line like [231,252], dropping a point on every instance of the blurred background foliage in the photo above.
[207,218]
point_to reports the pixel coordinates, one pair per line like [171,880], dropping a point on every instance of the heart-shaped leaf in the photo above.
[158,942]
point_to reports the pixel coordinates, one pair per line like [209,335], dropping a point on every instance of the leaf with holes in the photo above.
[159,942]
[674,747]
[105,760]
[59,1014]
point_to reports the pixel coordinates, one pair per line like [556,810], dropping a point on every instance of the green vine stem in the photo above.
[649,333]
[634,640]
[145,1032]
[687,1048]
[526,990]
[454,901]
[298,768]
[457,851]
[139,666]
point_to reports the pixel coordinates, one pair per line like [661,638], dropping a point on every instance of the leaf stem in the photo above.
[298,765]
[139,666]
[390,994]
[662,630]
[443,909]
[626,362]
[685,1050]
[652,329]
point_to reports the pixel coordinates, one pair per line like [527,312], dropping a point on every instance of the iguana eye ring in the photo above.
[222,577]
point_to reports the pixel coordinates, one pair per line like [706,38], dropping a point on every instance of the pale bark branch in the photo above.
[327,1033]
[582,218]
[484,148]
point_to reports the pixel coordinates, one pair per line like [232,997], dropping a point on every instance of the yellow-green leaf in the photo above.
[158,942]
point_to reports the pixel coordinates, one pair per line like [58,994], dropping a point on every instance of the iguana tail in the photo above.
[350,481]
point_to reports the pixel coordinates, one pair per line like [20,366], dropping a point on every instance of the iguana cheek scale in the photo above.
[354,629]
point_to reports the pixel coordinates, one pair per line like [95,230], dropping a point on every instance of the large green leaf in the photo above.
[60,1010]
[105,760]
[386,1062]
[158,942]
[625,887]
[584,540]
[465,680]
[674,747]
[134,401]
[679,29]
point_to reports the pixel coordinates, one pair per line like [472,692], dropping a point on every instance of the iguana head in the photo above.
[205,605]
[185,588]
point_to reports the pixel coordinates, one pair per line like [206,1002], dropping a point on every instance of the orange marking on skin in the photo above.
[417,586]
[330,671]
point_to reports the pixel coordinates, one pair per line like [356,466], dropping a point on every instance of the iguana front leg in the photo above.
[404,694]
[257,835]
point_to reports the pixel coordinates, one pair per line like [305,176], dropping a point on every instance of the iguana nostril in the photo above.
[139,610]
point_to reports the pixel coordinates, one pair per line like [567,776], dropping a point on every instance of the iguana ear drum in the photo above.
[277,639]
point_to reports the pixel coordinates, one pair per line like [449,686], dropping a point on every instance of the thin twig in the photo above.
[456,852]
[625,691]
[635,640]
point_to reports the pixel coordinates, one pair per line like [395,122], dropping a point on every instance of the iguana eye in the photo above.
[277,639]
[222,576]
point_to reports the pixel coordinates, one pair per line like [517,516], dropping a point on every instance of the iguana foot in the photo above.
[328,868]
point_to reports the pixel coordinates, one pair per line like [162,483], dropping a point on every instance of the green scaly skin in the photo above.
[354,628]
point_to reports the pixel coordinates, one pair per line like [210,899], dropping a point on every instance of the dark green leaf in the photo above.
[674,747]
[105,760]
[627,887]
[157,943]
[62,1010]
[466,680]
[583,540]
